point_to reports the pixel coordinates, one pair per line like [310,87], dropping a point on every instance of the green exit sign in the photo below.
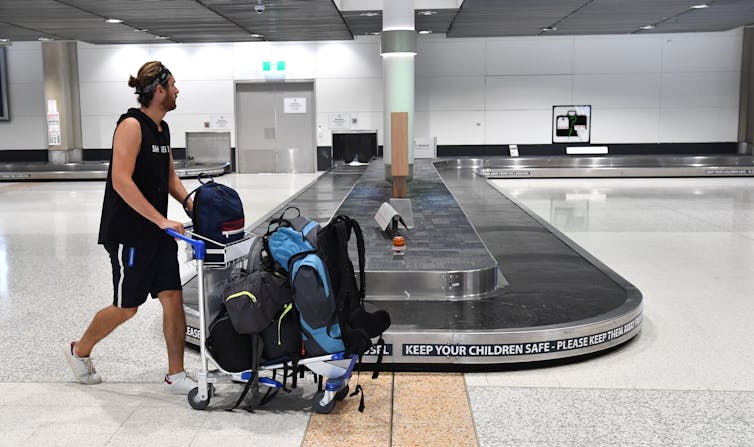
[279,66]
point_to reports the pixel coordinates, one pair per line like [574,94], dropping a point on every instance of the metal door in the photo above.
[275,127]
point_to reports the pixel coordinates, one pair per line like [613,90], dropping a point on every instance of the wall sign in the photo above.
[339,121]
[571,124]
[54,136]
[294,105]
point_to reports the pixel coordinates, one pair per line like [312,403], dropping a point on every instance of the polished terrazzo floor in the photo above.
[687,244]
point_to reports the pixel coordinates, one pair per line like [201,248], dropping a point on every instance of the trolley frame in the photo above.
[336,368]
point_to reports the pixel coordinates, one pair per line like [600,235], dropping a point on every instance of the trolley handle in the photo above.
[199,246]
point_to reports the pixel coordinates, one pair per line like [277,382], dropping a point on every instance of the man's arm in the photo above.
[126,144]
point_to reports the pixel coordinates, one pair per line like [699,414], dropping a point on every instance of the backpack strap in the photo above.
[281,221]
[185,200]
[256,349]
[271,392]
[298,211]
[351,225]
[360,246]
[359,390]
[380,352]
[294,373]
[245,391]
[202,176]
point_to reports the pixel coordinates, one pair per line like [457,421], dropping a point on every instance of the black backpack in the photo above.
[357,326]
[217,214]
[232,351]
[253,299]
[282,338]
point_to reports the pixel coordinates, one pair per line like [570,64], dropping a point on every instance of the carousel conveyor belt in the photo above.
[613,166]
[90,170]
[483,283]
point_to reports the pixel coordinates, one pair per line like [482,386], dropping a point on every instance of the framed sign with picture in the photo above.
[571,124]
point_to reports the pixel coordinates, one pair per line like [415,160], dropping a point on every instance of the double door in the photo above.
[275,127]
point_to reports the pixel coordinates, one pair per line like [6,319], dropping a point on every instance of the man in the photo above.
[132,229]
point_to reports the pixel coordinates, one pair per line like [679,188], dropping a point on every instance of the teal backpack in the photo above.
[310,283]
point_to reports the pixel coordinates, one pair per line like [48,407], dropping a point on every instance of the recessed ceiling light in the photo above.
[161,37]
[44,39]
[426,13]
[113,20]
[701,6]
[648,27]
[256,36]
[369,14]
[375,33]
[141,30]
[549,28]
[425,31]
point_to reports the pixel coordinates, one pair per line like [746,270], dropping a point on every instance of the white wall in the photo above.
[662,88]
[27,128]
[204,77]
[348,78]
[669,88]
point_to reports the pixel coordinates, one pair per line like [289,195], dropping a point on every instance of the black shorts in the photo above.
[142,270]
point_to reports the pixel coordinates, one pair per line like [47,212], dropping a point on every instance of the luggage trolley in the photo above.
[335,368]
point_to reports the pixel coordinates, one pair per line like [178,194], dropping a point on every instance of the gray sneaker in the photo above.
[180,383]
[82,367]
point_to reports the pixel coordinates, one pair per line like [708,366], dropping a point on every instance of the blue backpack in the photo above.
[310,282]
[217,214]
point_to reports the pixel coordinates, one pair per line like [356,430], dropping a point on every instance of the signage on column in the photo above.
[54,137]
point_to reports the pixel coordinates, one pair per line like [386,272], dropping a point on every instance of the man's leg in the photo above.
[77,353]
[174,328]
[103,323]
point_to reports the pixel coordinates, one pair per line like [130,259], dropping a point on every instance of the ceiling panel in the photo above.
[370,22]
[292,20]
[307,20]
[492,18]
[722,15]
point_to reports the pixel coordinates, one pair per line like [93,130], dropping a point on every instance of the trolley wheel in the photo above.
[340,395]
[194,401]
[318,407]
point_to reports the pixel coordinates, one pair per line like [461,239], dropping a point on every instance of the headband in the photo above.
[160,79]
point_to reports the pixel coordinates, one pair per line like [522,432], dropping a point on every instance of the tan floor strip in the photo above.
[16,187]
[402,410]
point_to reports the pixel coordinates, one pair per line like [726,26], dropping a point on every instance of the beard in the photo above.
[169,103]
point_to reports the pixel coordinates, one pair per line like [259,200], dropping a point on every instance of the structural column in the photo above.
[398,49]
[61,83]
[746,99]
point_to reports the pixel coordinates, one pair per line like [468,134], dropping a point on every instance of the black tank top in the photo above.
[119,222]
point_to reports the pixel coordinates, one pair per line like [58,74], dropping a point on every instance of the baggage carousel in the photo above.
[484,283]
[614,166]
[91,170]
